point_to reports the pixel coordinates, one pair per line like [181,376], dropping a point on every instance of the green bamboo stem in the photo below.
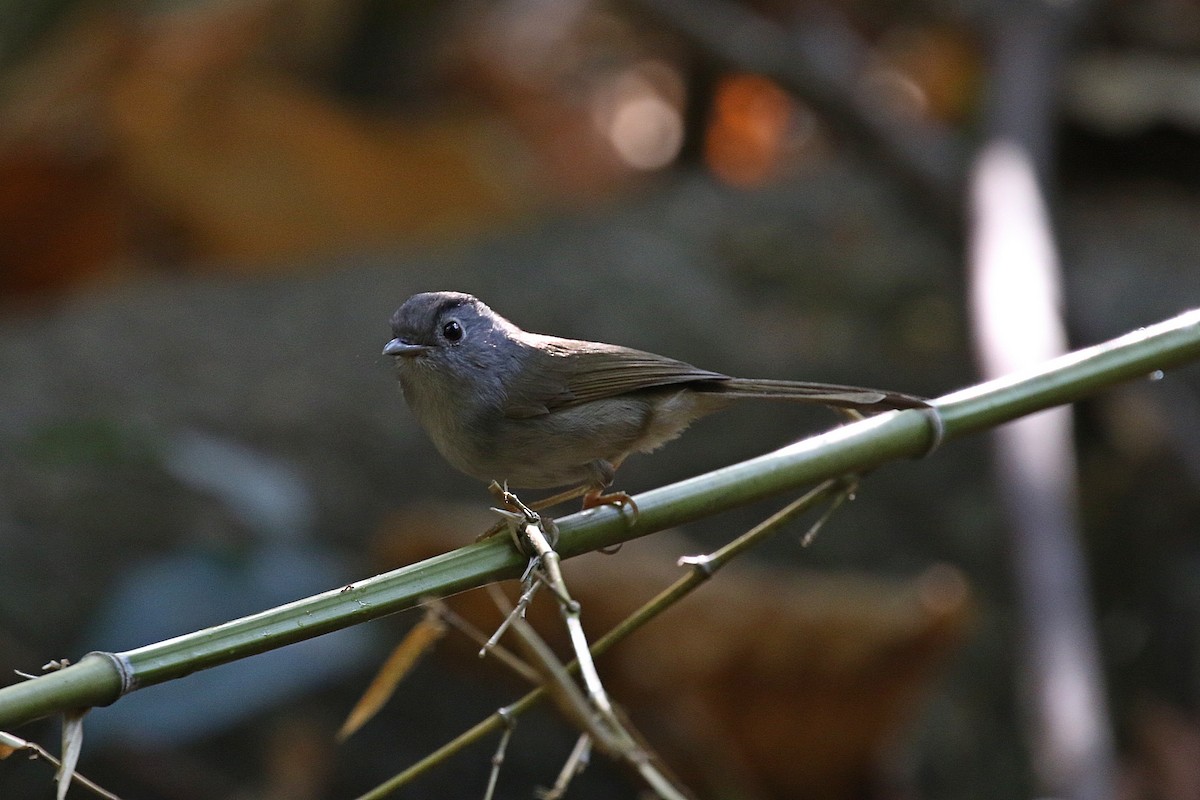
[99,679]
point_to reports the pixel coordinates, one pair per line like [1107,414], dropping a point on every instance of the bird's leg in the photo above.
[593,496]
[592,493]
[561,497]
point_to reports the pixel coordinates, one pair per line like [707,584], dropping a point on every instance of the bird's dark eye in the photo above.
[452,331]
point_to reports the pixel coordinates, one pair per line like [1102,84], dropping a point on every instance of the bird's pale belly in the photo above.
[576,445]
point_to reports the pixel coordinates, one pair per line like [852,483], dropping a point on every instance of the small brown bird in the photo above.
[538,411]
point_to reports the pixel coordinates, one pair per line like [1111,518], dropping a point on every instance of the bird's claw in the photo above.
[621,500]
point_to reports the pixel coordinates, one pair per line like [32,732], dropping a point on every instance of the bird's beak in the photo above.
[399,347]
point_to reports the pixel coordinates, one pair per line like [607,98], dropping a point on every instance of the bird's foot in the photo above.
[621,500]
[597,497]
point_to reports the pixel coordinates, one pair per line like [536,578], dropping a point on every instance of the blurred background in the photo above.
[210,209]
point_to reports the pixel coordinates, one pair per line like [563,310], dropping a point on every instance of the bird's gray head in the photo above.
[443,328]
[453,356]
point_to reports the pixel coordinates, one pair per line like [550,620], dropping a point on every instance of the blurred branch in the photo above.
[101,678]
[921,156]
[1016,314]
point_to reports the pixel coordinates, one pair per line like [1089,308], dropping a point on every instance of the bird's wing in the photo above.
[560,373]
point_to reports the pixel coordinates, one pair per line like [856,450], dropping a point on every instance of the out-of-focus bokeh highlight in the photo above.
[248,135]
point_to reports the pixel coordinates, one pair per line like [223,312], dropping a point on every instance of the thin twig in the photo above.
[599,726]
[596,718]
[834,505]
[574,765]
[571,702]
[515,611]
[529,531]
[501,653]
[37,751]
[648,611]
[498,758]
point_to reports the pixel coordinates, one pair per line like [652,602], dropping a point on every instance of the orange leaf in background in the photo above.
[130,138]
[61,223]
[748,134]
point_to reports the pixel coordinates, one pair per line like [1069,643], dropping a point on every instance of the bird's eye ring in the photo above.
[452,331]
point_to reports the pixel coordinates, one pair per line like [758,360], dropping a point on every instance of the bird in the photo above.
[536,411]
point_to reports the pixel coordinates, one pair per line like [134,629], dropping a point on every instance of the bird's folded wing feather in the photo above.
[561,373]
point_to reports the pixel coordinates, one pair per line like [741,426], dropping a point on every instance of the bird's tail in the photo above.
[826,394]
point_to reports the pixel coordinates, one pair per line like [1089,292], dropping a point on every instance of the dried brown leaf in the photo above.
[423,636]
